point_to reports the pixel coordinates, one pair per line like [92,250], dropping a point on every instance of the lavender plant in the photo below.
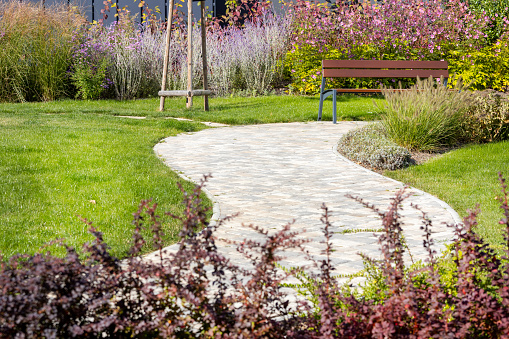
[265,43]
[223,57]
[249,59]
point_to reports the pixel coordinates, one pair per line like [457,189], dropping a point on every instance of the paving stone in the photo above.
[273,174]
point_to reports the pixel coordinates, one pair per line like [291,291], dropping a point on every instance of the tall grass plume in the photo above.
[425,117]
[35,51]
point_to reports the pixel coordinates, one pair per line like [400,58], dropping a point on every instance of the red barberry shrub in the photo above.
[195,291]
[464,295]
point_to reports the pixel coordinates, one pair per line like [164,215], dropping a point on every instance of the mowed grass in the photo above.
[464,178]
[64,160]
[233,111]
[57,167]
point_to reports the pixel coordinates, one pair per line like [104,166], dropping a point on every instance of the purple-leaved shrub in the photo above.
[197,292]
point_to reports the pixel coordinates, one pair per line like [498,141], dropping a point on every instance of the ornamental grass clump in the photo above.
[35,50]
[425,117]
[370,147]
[487,119]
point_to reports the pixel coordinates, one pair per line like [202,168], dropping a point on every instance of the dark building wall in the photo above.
[92,8]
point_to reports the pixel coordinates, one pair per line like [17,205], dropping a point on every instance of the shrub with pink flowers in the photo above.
[497,12]
[391,30]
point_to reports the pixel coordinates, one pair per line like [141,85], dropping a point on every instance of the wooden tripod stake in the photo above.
[190,92]
[204,55]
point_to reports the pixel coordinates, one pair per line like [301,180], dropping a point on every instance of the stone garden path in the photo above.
[273,174]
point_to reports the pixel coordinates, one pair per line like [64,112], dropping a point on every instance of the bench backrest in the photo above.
[383,69]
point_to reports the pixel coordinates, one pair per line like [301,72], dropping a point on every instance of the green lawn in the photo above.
[234,111]
[68,158]
[463,178]
[58,158]
[54,167]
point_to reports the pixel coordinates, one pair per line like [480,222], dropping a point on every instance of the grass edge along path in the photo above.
[463,178]
[55,168]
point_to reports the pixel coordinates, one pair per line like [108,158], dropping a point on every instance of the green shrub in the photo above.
[89,79]
[369,146]
[425,117]
[487,119]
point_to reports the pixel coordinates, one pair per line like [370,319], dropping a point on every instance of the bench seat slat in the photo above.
[377,64]
[359,90]
[384,73]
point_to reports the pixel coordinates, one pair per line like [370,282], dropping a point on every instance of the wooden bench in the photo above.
[375,69]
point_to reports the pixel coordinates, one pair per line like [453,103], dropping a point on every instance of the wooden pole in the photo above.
[166,55]
[204,55]
[189,102]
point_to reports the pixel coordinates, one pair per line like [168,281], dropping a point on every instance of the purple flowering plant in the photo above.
[89,65]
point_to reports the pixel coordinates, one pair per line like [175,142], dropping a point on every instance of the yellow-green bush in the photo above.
[486,68]
[304,63]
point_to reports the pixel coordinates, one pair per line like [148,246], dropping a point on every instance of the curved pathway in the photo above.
[273,174]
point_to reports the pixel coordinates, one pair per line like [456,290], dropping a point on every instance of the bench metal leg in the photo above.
[323,95]
[334,118]
[320,107]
